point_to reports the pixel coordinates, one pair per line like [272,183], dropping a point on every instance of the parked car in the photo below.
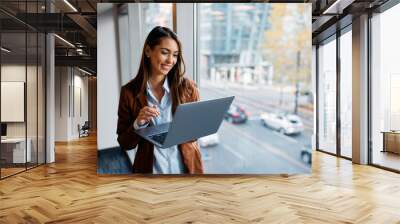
[209,140]
[305,154]
[287,124]
[236,114]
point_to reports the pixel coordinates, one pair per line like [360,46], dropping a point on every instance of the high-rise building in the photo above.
[230,38]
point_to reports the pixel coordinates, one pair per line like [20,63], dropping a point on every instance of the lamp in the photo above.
[337,7]
[5,50]
[84,71]
[65,41]
[70,5]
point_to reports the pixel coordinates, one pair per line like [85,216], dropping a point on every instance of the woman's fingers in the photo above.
[147,113]
[151,113]
[152,110]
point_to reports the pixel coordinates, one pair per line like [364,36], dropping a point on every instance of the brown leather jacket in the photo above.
[130,103]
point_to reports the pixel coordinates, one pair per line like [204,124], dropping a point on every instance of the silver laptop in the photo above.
[191,121]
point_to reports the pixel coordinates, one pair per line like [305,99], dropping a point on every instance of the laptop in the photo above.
[191,121]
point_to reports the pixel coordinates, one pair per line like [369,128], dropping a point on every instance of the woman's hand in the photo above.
[146,114]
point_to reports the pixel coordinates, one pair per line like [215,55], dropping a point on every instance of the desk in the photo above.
[391,141]
[13,150]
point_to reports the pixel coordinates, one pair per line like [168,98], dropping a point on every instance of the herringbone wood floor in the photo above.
[70,191]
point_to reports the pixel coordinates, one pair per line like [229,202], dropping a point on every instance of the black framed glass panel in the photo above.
[22,79]
[13,96]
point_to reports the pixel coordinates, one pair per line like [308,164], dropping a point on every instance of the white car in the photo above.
[209,140]
[287,124]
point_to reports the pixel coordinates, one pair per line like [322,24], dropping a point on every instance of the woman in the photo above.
[151,98]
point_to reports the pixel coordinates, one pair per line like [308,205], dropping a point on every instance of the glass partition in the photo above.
[13,107]
[22,87]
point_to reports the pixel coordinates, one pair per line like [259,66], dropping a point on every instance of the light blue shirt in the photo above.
[167,160]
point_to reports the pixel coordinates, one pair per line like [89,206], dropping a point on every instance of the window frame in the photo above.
[334,37]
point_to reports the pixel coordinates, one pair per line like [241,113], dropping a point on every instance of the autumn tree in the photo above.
[288,38]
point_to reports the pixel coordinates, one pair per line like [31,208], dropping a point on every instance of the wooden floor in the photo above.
[70,191]
[387,159]
[10,171]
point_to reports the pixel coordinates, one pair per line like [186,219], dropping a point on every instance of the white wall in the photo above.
[33,126]
[17,73]
[67,117]
[108,77]
[61,103]
[79,117]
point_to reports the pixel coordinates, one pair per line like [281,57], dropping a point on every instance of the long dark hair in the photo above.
[174,76]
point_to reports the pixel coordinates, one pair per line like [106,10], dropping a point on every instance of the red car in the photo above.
[236,115]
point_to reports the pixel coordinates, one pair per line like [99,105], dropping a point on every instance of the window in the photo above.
[22,74]
[346,94]
[385,84]
[131,16]
[156,14]
[327,96]
[269,126]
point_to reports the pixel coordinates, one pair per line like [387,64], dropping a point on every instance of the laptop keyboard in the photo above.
[159,137]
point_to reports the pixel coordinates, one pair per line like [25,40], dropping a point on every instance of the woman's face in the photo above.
[163,56]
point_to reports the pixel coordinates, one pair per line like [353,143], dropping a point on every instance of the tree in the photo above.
[287,46]
[290,33]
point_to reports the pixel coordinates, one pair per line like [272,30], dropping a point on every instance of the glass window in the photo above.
[13,87]
[346,94]
[269,126]
[152,14]
[327,96]
[31,101]
[156,14]
[385,86]
[22,92]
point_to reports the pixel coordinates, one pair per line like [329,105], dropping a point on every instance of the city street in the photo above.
[251,147]
[256,99]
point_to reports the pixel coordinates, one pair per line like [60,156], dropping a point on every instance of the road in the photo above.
[251,147]
[257,99]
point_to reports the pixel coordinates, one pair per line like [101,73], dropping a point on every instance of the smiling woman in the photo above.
[229,50]
[151,98]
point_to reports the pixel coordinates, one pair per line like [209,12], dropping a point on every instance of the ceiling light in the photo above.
[338,6]
[70,5]
[5,49]
[65,41]
[86,72]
